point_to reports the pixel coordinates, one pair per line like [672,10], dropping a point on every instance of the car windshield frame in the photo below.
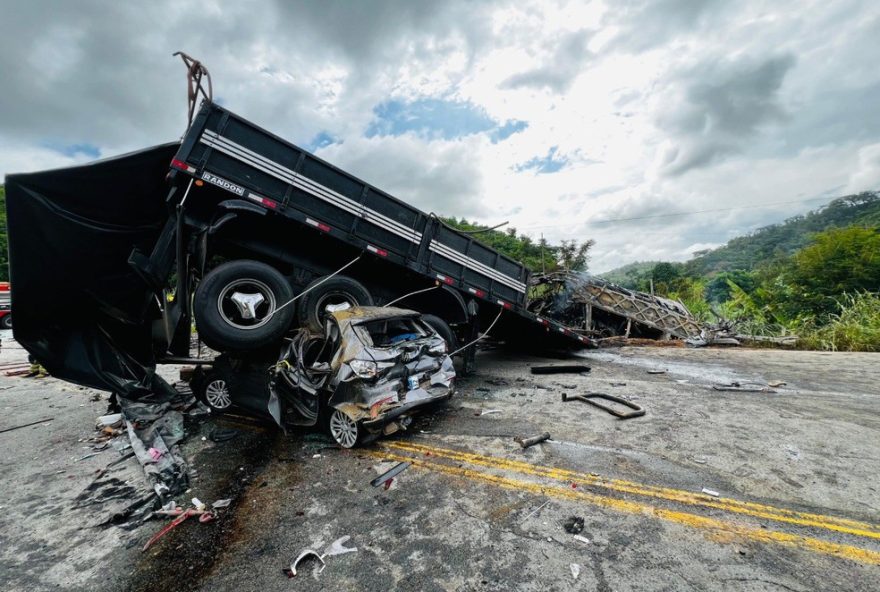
[365,331]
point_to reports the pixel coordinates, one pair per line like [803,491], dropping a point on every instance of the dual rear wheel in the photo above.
[245,305]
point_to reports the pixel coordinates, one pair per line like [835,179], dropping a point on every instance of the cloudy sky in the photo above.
[656,128]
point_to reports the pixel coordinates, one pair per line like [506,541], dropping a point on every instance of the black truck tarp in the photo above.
[79,306]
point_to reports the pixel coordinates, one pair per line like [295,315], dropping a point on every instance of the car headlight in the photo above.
[368,368]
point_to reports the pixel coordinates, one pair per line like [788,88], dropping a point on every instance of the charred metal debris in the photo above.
[612,315]
[601,309]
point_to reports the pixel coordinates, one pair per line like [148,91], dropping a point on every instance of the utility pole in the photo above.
[543,267]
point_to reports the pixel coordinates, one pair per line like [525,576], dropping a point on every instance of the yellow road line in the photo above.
[844,525]
[630,507]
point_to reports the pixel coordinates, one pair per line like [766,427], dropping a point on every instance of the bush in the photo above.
[856,327]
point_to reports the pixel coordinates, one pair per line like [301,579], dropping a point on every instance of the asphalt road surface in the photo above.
[795,473]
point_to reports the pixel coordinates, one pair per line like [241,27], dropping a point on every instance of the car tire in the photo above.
[212,390]
[336,290]
[6,322]
[443,330]
[344,429]
[236,306]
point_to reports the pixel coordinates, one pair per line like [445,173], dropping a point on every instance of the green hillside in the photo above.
[747,252]
[816,276]
[629,274]
[767,244]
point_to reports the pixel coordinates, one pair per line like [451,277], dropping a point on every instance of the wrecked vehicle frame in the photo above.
[369,371]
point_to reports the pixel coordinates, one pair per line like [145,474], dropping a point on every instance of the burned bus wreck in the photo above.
[600,309]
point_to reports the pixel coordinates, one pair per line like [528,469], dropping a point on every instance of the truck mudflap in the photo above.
[80,308]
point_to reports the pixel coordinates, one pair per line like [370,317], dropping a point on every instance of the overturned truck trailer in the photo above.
[247,236]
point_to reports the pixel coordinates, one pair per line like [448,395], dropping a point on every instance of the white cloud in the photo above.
[866,177]
[656,107]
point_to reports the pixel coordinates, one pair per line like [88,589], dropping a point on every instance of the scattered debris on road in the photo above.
[637,410]
[26,425]
[182,515]
[389,474]
[112,420]
[291,571]
[223,434]
[575,570]
[526,442]
[335,548]
[573,525]
[711,492]
[737,387]
[535,511]
[561,369]
[338,547]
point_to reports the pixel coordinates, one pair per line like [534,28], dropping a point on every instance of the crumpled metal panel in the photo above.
[369,398]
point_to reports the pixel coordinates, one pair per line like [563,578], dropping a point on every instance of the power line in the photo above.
[673,214]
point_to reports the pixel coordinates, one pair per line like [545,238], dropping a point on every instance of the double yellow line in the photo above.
[429,458]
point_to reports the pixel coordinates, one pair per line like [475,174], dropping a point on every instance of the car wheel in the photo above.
[6,322]
[336,290]
[443,330]
[215,394]
[237,306]
[344,429]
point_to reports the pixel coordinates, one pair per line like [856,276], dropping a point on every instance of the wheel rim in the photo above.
[246,304]
[333,298]
[343,428]
[217,394]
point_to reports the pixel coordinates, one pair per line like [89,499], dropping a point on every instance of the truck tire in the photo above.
[336,290]
[443,330]
[235,306]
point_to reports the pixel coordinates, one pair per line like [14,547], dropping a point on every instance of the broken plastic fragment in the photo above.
[338,547]
[575,570]
[299,559]
[582,539]
[222,503]
[198,504]
[490,411]
[711,492]
[113,419]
